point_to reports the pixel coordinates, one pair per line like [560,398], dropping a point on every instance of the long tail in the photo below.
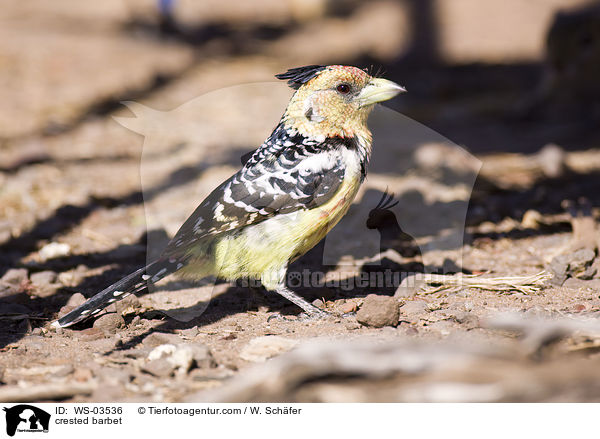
[131,284]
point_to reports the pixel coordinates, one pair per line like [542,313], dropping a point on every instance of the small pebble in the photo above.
[414,307]
[54,250]
[190,332]
[44,281]
[379,311]
[109,323]
[43,278]
[352,325]
[15,276]
[202,356]
[318,303]
[531,219]
[76,299]
[552,160]
[348,307]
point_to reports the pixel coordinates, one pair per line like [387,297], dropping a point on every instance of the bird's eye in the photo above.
[343,89]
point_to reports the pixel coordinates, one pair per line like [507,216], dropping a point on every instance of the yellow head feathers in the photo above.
[334,100]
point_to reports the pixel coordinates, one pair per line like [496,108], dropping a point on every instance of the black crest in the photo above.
[300,75]
[386,201]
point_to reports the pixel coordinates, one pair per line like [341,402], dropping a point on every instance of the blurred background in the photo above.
[513,82]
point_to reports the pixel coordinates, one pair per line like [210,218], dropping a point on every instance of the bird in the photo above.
[286,197]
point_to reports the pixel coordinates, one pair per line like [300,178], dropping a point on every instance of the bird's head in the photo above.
[381,216]
[334,100]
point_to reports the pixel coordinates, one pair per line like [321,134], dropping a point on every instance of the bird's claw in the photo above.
[277,316]
[315,315]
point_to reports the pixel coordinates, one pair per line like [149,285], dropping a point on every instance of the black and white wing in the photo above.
[286,174]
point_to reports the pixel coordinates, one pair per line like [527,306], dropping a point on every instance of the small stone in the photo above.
[161,351]
[414,307]
[72,278]
[44,281]
[189,333]
[318,303]
[467,318]
[109,323]
[559,267]
[552,160]
[159,368]
[43,278]
[379,311]
[202,356]
[576,264]
[75,300]
[129,305]
[352,325]
[579,307]
[348,307]
[160,338]
[54,250]
[531,219]
[588,274]
[15,276]
[55,329]
[182,358]
[262,348]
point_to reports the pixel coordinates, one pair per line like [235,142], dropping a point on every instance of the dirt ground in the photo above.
[84,200]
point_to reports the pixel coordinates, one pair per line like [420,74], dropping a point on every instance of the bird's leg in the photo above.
[308,308]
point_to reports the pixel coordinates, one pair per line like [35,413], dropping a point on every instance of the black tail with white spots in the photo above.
[131,284]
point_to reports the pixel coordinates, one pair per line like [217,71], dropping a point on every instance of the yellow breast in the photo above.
[263,250]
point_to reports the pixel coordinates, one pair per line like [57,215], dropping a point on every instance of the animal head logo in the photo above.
[26,418]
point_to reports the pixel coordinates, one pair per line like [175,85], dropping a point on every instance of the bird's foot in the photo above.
[278,316]
[316,314]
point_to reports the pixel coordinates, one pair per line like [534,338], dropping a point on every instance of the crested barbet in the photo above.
[295,187]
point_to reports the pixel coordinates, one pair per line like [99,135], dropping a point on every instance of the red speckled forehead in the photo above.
[350,70]
[335,74]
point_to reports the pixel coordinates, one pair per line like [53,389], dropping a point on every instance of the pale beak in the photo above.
[379,90]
